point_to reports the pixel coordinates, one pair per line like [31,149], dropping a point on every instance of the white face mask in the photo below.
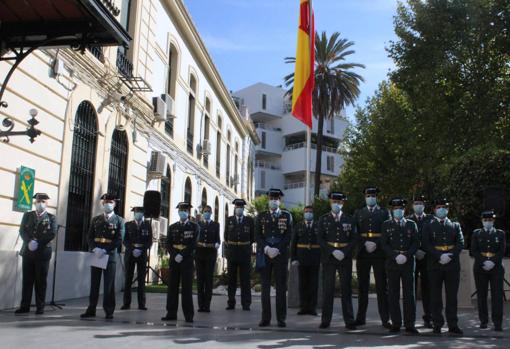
[108,207]
[274,204]
[488,225]
[418,209]
[40,206]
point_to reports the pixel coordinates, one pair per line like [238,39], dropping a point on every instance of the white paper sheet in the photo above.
[98,262]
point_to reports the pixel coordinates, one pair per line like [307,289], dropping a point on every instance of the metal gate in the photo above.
[118,169]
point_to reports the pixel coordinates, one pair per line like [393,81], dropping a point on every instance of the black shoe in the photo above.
[312,312]
[39,311]
[190,321]
[125,307]
[324,325]
[200,310]
[263,323]
[350,327]
[427,324]
[483,326]
[22,311]
[498,328]
[359,323]
[412,330]
[206,310]
[86,315]
[246,308]
[142,307]
[108,316]
[302,312]
[230,307]
[455,330]
[394,329]
[169,318]
[436,330]
[387,325]
[282,324]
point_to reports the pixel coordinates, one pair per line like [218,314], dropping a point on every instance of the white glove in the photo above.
[488,265]
[137,253]
[33,245]
[99,252]
[401,259]
[217,245]
[420,254]
[445,258]
[273,252]
[178,258]
[338,254]
[370,246]
[295,263]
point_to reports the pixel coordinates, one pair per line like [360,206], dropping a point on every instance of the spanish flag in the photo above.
[304,77]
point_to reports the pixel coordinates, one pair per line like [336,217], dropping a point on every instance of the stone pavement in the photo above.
[220,328]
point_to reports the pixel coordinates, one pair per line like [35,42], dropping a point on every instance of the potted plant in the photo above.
[164,268]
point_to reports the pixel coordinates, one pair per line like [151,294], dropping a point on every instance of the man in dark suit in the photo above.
[420,217]
[205,258]
[306,255]
[488,248]
[104,238]
[443,242]
[336,233]
[238,238]
[369,220]
[37,229]
[400,242]
[138,240]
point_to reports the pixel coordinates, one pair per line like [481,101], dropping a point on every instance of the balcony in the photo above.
[124,65]
[294,159]
[271,141]
[267,165]
[97,51]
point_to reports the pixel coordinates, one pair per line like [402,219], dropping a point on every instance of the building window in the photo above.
[227,164]
[170,90]
[226,213]
[204,199]
[262,179]
[118,169]
[216,210]
[165,194]
[206,144]
[330,163]
[218,154]
[263,140]
[187,191]
[264,101]
[81,178]
[191,114]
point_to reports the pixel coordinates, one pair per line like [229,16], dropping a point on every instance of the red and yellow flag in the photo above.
[304,76]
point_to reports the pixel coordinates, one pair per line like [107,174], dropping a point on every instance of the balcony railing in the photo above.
[263,164]
[97,51]
[298,185]
[263,126]
[314,146]
[124,65]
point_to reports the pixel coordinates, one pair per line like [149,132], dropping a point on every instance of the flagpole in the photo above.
[308,129]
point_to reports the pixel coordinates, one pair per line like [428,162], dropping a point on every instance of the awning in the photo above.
[75,23]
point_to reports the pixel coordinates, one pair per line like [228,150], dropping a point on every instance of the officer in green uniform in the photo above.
[400,241]
[488,248]
[337,236]
[273,231]
[37,229]
[181,243]
[138,240]
[420,217]
[306,255]
[238,238]
[369,220]
[205,258]
[443,242]
[104,238]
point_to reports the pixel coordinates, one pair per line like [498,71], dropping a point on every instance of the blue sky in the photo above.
[248,39]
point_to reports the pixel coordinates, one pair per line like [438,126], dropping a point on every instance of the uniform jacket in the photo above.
[488,246]
[138,236]
[304,235]
[274,230]
[207,238]
[370,223]
[43,230]
[235,232]
[437,235]
[399,238]
[182,239]
[341,232]
[106,233]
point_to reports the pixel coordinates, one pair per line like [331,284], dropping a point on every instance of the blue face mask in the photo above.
[418,209]
[441,213]
[335,208]
[398,213]
[371,201]
[239,211]
[183,215]
[108,207]
[488,225]
[207,215]
[308,216]
[274,204]
[138,216]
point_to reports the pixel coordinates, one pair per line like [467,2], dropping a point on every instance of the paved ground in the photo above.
[133,328]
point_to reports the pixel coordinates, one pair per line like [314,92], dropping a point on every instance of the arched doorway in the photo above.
[187,191]
[204,198]
[118,169]
[216,210]
[226,213]
[81,177]
[166,182]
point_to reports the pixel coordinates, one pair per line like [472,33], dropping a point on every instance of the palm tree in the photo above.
[336,85]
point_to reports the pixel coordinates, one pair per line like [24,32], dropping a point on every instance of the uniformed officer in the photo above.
[205,258]
[306,255]
[273,231]
[400,241]
[37,229]
[238,239]
[420,217]
[369,220]
[443,242]
[488,249]
[104,238]
[138,240]
[181,243]
[337,236]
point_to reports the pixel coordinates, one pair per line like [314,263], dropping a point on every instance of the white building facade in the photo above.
[281,154]
[102,131]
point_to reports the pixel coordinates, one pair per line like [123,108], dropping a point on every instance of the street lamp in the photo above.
[31,131]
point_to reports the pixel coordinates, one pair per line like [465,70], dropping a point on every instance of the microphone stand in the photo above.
[52,303]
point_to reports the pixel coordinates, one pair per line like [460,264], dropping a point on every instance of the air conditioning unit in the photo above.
[158,164]
[206,147]
[170,105]
[159,108]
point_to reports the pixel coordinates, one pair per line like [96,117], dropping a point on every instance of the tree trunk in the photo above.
[318,157]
